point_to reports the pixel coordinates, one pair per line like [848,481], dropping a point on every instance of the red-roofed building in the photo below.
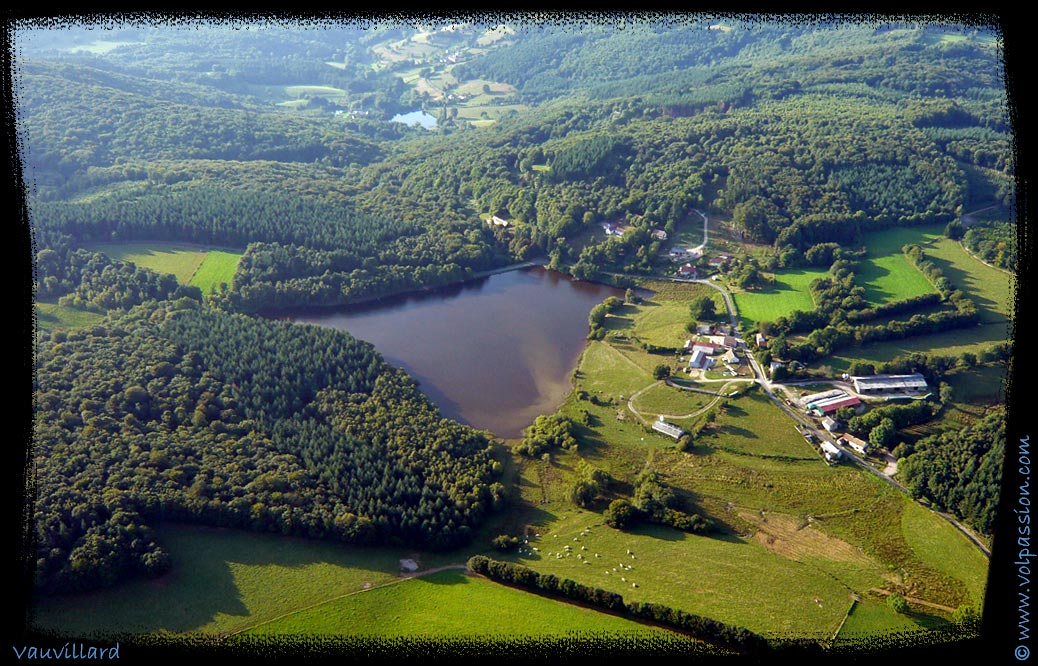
[827,407]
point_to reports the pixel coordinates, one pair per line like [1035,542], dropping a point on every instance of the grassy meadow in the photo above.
[448,604]
[217,267]
[191,264]
[988,287]
[225,581]
[50,316]
[885,273]
[789,293]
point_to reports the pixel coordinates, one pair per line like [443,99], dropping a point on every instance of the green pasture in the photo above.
[663,399]
[752,425]
[449,604]
[990,288]
[217,267]
[180,259]
[227,580]
[951,343]
[720,577]
[50,316]
[790,293]
[493,112]
[941,546]
[191,264]
[314,91]
[870,617]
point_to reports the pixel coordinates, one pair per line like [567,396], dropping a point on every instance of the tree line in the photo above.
[696,625]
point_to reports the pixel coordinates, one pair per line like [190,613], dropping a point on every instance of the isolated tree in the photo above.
[703,308]
[619,514]
[897,603]
[661,371]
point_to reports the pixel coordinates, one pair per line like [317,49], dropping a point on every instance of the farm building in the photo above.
[832,453]
[704,329]
[729,341]
[614,229]
[700,360]
[831,425]
[859,445]
[668,429]
[730,357]
[829,406]
[807,400]
[761,340]
[496,221]
[707,347]
[719,260]
[684,254]
[688,270]
[890,384]
[775,365]
[659,234]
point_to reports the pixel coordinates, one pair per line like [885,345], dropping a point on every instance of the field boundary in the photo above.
[403,577]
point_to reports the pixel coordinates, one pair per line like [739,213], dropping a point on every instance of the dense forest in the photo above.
[280,143]
[177,411]
[960,471]
[809,134]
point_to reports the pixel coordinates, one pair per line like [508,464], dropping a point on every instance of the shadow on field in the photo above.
[734,410]
[202,585]
[928,621]
[741,432]
[659,532]
[448,577]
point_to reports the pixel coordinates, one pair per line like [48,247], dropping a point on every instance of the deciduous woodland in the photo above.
[843,192]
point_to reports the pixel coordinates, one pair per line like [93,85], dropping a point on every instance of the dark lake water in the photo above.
[428,121]
[494,353]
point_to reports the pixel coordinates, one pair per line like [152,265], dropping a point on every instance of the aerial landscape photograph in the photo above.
[501,334]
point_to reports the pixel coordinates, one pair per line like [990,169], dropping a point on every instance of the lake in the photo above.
[493,353]
[422,118]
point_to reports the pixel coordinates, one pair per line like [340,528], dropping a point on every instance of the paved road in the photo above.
[702,247]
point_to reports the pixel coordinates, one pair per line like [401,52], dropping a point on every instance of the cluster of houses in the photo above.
[716,347]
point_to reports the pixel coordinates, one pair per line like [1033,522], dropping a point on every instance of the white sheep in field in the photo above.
[634,584]
[623,579]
